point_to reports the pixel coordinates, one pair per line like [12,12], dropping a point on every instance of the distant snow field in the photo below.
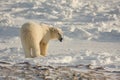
[91,31]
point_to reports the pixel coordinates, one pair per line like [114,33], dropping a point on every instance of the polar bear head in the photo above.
[56,33]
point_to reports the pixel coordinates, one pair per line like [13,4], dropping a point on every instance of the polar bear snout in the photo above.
[61,39]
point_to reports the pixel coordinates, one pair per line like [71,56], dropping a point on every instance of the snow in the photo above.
[91,31]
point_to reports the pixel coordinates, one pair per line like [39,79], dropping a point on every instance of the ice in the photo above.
[6,20]
[91,31]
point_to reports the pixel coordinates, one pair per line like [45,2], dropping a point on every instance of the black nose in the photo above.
[60,39]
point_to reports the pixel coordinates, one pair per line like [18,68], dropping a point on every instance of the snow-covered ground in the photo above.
[91,31]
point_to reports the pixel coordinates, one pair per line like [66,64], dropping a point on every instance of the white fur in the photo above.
[35,38]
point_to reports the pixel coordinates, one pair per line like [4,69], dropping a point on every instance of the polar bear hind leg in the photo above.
[27,49]
[36,50]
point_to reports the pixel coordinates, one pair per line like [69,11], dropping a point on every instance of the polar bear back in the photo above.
[35,30]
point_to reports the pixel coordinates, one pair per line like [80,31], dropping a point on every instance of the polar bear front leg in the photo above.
[43,48]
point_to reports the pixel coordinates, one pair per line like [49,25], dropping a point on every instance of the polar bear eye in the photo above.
[58,33]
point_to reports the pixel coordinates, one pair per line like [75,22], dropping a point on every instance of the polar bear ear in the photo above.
[52,29]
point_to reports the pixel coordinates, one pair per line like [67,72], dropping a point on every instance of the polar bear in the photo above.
[35,38]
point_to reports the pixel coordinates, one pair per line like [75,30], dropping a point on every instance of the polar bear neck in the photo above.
[46,34]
